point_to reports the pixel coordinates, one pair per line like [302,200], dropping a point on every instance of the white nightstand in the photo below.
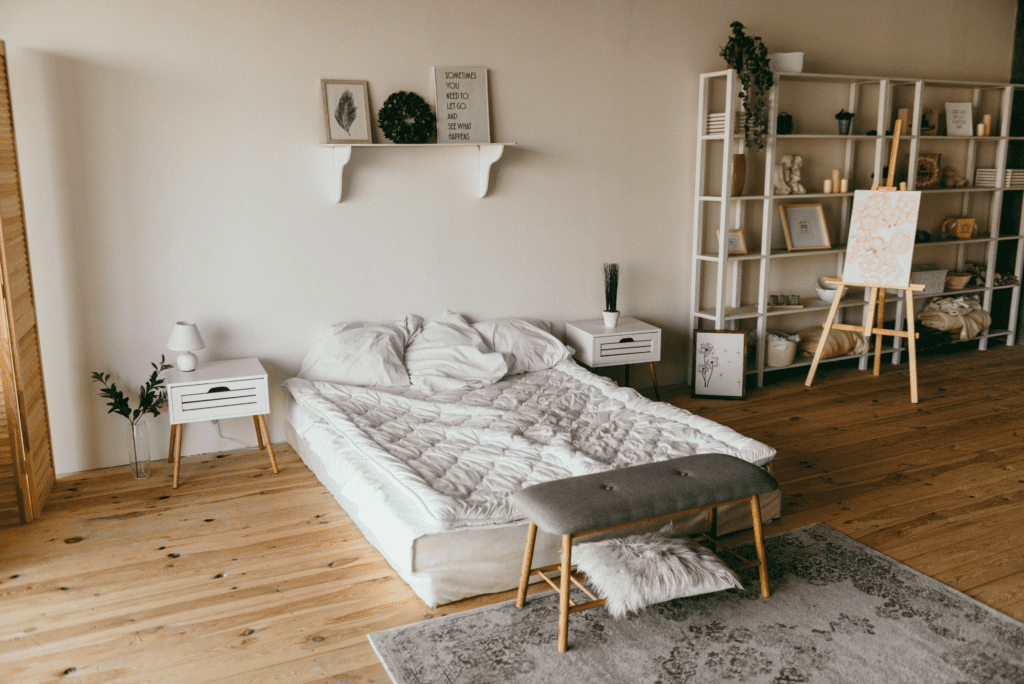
[217,390]
[631,341]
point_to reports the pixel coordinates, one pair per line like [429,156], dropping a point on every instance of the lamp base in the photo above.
[188,361]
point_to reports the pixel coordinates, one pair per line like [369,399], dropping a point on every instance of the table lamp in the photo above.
[185,338]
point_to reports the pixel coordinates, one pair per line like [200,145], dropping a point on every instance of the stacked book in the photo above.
[986,178]
[716,124]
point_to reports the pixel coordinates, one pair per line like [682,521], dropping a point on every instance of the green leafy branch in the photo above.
[152,394]
[749,57]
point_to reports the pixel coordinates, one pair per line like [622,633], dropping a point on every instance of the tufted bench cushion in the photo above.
[588,502]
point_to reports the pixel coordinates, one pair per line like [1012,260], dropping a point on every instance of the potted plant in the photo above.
[844,118]
[611,290]
[151,397]
[749,57]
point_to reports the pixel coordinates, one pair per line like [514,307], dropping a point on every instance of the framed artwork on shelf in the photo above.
[346,111]
[929,122]
[719,364]
[735,243]
[929,171]
[881,245]
[804,226]
[959,119]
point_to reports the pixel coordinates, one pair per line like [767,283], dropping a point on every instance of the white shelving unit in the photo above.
[730,292]
[339,155]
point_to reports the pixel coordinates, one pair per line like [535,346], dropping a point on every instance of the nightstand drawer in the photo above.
[634,348]
[632,341]
[218,399]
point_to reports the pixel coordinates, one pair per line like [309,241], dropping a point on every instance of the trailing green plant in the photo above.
[749,57]
[152,394]
[842,114]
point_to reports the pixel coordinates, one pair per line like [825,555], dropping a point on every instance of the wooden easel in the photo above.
[876,294]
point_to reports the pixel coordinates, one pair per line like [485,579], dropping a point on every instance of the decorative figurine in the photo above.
[795,187]
[780,175]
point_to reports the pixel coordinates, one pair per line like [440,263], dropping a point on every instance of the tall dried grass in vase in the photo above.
[611,292]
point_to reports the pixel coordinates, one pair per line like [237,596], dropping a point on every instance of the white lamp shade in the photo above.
[185,337]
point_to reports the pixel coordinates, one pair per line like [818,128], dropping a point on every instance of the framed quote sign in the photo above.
[463,110]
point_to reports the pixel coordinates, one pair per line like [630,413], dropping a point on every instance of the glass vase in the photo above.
[138,448]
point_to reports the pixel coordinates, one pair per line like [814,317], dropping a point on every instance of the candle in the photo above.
[844,185]
[827,186]
[981,129]
[836,175]
[987,120]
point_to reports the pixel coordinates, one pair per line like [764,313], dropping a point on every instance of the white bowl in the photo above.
[823,284]
[827,295]
[791,62]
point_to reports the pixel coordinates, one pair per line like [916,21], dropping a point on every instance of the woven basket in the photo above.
[957,281]
[780,353]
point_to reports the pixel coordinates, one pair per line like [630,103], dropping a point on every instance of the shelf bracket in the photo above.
[338,157]
[489,153]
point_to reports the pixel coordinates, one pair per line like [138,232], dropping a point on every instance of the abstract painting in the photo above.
[881,244]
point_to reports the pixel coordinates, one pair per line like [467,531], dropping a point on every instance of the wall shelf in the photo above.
[339,155]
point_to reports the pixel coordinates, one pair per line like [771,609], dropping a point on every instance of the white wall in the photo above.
[170,168]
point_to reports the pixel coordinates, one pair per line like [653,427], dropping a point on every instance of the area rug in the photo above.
[839,612]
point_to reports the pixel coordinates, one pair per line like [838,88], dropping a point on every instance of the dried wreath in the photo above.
[406,118]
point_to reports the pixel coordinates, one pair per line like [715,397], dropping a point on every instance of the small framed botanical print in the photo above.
[719,364]
[346,111]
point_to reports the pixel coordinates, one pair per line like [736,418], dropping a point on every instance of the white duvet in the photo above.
[458,455]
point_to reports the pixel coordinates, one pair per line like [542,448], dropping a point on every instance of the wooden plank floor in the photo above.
[245,576]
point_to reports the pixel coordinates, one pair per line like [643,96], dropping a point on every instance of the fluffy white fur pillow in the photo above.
[450,354]
[362,354]
[642,569]
[528,345]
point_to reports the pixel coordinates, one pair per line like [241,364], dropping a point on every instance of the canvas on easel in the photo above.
[880,248]
[879,255]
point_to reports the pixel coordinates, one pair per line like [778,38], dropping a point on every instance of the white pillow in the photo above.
[636,571]
[362,354]
[449,354]
[528,345]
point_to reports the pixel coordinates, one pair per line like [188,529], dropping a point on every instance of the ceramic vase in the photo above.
[844,126]
[611,318]
[138,448]
[739,174]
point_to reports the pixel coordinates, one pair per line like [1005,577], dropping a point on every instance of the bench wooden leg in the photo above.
[524,578]
[762,559]
[563,598]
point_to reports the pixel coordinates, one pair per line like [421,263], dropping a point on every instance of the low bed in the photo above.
[423,448]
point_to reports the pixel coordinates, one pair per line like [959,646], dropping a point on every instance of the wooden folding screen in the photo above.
[26,456]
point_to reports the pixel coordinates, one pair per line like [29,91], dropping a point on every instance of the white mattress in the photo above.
[449,533]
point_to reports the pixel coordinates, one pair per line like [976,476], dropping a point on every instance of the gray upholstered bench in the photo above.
[579,506]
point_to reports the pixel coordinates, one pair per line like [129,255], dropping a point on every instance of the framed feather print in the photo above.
[346,111]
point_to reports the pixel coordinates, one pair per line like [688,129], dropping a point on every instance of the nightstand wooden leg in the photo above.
[654,379]
[170,447]
[625,382]
[177,453]
[261,424]
[259,433]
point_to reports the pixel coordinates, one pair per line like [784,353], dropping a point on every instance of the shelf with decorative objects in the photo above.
[730,285]
[337,157]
